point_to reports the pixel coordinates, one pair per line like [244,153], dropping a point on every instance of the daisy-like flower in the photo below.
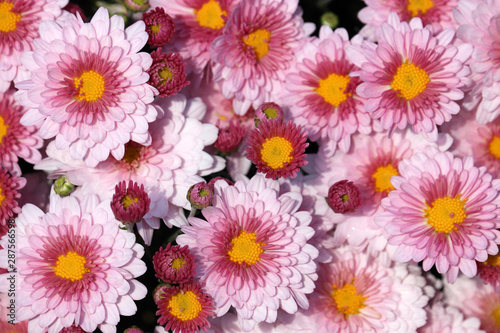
[16,141]
[411,77]
[167,73]
[322,96]
[88,86]
[184,308]
[9,194]
[479,27]
[444,212]
[75,266]
[174,264]
[437,13]
[256,49]
[197,24]
[277,148]
[243,260]
[18,29]
[441,318]
[358,293]
[475,300]
[159,26]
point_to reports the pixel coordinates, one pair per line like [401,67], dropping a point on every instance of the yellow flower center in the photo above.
[495,146]
[3,128]
[419,7]
[409,81]
[445,213]
[90,86]
[166,74]
[493,260]
[496,316]
[8,19]
[210,15]
[259,41]
[156,29]
[332,89]
[185,306]
[245,248]
[71,266]
[2,197]
[177,263]
[276,152]
[347,300]
[128,201]
[270,113]
[383,176]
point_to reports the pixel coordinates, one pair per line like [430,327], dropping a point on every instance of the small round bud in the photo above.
[268,111]
[174,264]
[213,180]
[200,195]
[229,138]
[344,197]
[160,27]
[63,186]
[330,19]
[136,5]
[130,204]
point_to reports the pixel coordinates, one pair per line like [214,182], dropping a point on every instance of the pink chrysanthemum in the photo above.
[167,73]
[277,148]
[444,212]
[359,293]
[174,264]
[441,318]
[18,29]
[9,194]
[253,251]
[197,24]
[437,13]
[489,271]
[480,26]
[321,95]
[200,195]
[16,141]
[256,49]
[75,266]
[130,203]
[159,26]
[411,77]
[344,197]
[184,308]
[88,86]
[230,137]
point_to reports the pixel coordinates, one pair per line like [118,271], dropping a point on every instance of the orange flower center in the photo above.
[332,89]
[347,299]
[258,40]
[410,81]
[210,15]
[445,213]
[71,266]
[276,151]
[90,86]
[8,19]
[419,7]
[185,306]
[245,248]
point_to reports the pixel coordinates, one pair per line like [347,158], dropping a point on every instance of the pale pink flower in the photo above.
[449,319]
[88,86]
[253,251]
[444,212]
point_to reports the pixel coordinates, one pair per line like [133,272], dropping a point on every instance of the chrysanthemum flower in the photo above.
[253,251]
[18,29]
[358,293]
[159,26]
[256,49]
[75,266]
[9,194]
[444,212]
[489,271]
[184,308]
[200,195]
[16,141]
[344,197]
[230,137]
[411,77]
[174,264]
[197,24]
[441,318]
[88,86]
[479,27]
[475,300]
[322,96]
[130,203]
[167,73]
[437,13]
[269,110]
[277,148]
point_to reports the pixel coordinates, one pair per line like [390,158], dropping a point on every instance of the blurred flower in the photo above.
[411,77]
[88,86]
[18,30]
[9,194]
[16,141]
[167,73]
[6,320]
[184,308]
[441,318]
[174,264]
[255,50]
[252,251]
[489,271]
[277,149]
[159,26]
[75,266]
[444,212]
[322,96]
[136,5]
